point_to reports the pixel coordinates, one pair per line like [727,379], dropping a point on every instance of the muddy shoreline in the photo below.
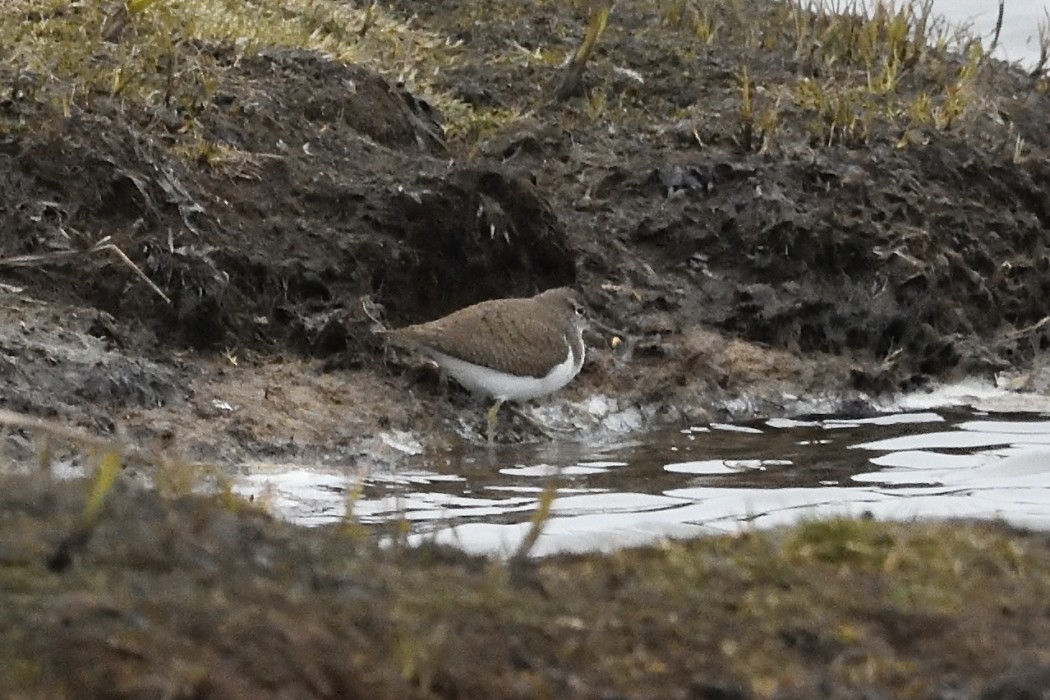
[324,201]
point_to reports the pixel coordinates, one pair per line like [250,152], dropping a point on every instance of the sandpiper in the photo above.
[509,349]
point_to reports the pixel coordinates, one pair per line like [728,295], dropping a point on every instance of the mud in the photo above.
[327,203]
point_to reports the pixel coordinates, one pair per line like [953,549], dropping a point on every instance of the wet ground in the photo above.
[748,248]
[775,212]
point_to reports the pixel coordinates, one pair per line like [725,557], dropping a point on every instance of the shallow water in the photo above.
[913,462]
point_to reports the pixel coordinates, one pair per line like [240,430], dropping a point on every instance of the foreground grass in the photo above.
[189,597]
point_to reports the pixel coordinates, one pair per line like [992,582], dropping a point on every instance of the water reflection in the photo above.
[705,479]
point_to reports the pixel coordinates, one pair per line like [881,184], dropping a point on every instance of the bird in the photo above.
[508,349]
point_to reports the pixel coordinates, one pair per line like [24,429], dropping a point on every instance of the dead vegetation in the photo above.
[157,56]
[857,67]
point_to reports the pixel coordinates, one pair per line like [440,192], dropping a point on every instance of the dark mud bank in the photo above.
[313,200]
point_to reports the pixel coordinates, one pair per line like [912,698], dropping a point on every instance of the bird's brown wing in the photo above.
[512,335]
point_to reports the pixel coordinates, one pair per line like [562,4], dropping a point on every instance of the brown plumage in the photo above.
[525,337]
[506,348]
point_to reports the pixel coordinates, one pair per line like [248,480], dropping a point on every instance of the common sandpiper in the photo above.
[509,349]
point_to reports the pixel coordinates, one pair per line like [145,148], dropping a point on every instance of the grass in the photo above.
[855,68]
[157,54]
[862,58]
[61,41]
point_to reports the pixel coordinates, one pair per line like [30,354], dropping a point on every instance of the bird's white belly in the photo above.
[501,385]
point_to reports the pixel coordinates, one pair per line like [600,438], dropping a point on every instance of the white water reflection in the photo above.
[552,470]
[890,419]
[301,495]
[711,478]
[723,466]
[948,439]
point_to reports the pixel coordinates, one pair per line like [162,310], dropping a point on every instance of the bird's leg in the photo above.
[492,419]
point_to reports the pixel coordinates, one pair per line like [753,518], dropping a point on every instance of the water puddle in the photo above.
[714,478]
